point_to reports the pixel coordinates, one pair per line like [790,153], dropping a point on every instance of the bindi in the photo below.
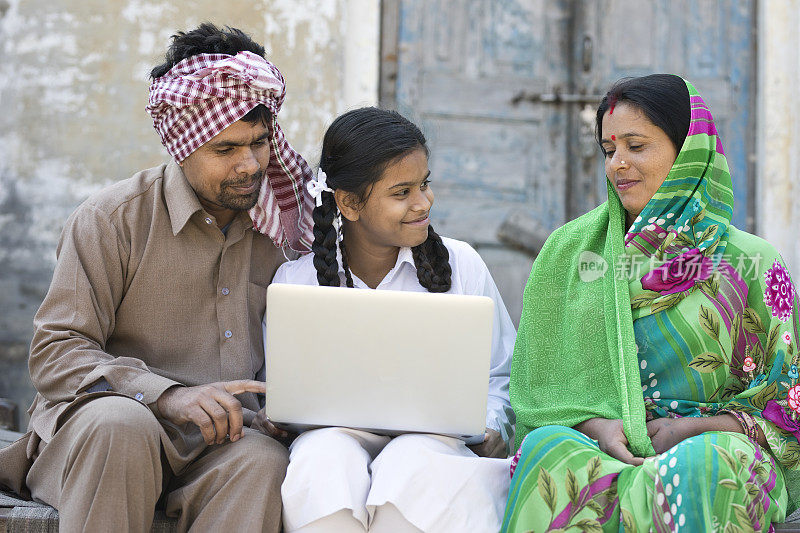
[613,137]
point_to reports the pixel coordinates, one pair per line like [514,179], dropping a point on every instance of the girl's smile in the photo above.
[424,221]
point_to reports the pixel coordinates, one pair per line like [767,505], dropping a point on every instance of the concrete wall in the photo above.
[778,205]
[73,86]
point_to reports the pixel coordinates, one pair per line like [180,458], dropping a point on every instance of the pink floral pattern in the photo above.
[679,274]
[779,293]
[515,460]
[794,398]
[787,338]
[749,365]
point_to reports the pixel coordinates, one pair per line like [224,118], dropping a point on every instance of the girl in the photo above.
[373,190]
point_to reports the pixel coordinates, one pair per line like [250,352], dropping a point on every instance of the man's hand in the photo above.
[610,437]
[210,407]
[492,445]
[265,426]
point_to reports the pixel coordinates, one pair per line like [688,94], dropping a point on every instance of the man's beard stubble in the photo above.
[230,199]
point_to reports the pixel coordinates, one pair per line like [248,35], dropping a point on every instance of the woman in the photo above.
[677,408]
[373,191]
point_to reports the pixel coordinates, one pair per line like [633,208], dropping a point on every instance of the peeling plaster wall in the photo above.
[778,209]
[73,86]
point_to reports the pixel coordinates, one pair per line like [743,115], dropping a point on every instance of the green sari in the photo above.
[683,315]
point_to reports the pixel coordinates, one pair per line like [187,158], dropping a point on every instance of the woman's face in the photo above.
[397,208]
[638,156]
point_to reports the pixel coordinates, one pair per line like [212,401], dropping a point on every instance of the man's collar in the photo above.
[181,199]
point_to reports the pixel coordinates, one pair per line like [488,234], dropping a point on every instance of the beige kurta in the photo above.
[149,293]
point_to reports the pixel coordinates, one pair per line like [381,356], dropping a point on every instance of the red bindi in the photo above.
[613,137]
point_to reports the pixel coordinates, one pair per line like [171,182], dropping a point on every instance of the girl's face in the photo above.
[638,156]
[397,207]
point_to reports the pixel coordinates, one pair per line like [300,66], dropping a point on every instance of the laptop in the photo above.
[389,362]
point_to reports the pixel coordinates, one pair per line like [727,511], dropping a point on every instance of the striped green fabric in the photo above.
[564,483]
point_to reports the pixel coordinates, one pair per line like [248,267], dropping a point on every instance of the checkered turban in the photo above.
[204,94]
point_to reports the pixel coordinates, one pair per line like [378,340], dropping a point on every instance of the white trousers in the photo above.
[343,479]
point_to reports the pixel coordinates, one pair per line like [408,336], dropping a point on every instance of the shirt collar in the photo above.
[181,199]
[405,255]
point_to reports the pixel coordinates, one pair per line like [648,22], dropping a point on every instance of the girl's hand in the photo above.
[492,445]
[264,425]
[610,437]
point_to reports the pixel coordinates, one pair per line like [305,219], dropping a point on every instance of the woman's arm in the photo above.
[667,432]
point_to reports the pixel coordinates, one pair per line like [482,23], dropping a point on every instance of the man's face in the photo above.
[227,171]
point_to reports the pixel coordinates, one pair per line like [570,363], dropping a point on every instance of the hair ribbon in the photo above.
[319,185]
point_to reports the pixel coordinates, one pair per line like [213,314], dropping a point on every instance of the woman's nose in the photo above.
[617,162]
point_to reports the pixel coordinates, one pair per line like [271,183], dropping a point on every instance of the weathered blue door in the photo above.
[709,42]
[506,90]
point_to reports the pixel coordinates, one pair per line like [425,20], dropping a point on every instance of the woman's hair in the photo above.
[663,98]
[357,149]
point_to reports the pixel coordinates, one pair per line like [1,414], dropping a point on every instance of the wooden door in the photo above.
[709,42]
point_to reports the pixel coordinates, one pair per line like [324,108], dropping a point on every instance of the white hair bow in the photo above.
[318,186]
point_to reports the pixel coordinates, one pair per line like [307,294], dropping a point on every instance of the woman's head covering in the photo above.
[204,94]
[682,232]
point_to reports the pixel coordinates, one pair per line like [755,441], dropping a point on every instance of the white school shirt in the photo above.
[470,276]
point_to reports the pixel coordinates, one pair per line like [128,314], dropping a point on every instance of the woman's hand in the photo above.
[667,432]
[610,437]
[492,445]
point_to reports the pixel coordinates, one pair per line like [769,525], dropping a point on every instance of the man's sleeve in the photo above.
[78,316]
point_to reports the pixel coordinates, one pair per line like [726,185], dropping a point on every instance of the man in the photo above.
[152,324]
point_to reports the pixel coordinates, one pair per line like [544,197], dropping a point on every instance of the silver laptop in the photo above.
[386,361]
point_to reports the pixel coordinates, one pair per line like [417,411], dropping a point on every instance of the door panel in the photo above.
[709,42]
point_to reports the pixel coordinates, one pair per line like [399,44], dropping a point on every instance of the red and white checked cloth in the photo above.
[204,94]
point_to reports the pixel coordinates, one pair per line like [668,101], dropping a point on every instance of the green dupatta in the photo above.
[575,355]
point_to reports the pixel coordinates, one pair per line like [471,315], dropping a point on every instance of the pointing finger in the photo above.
[245,385]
